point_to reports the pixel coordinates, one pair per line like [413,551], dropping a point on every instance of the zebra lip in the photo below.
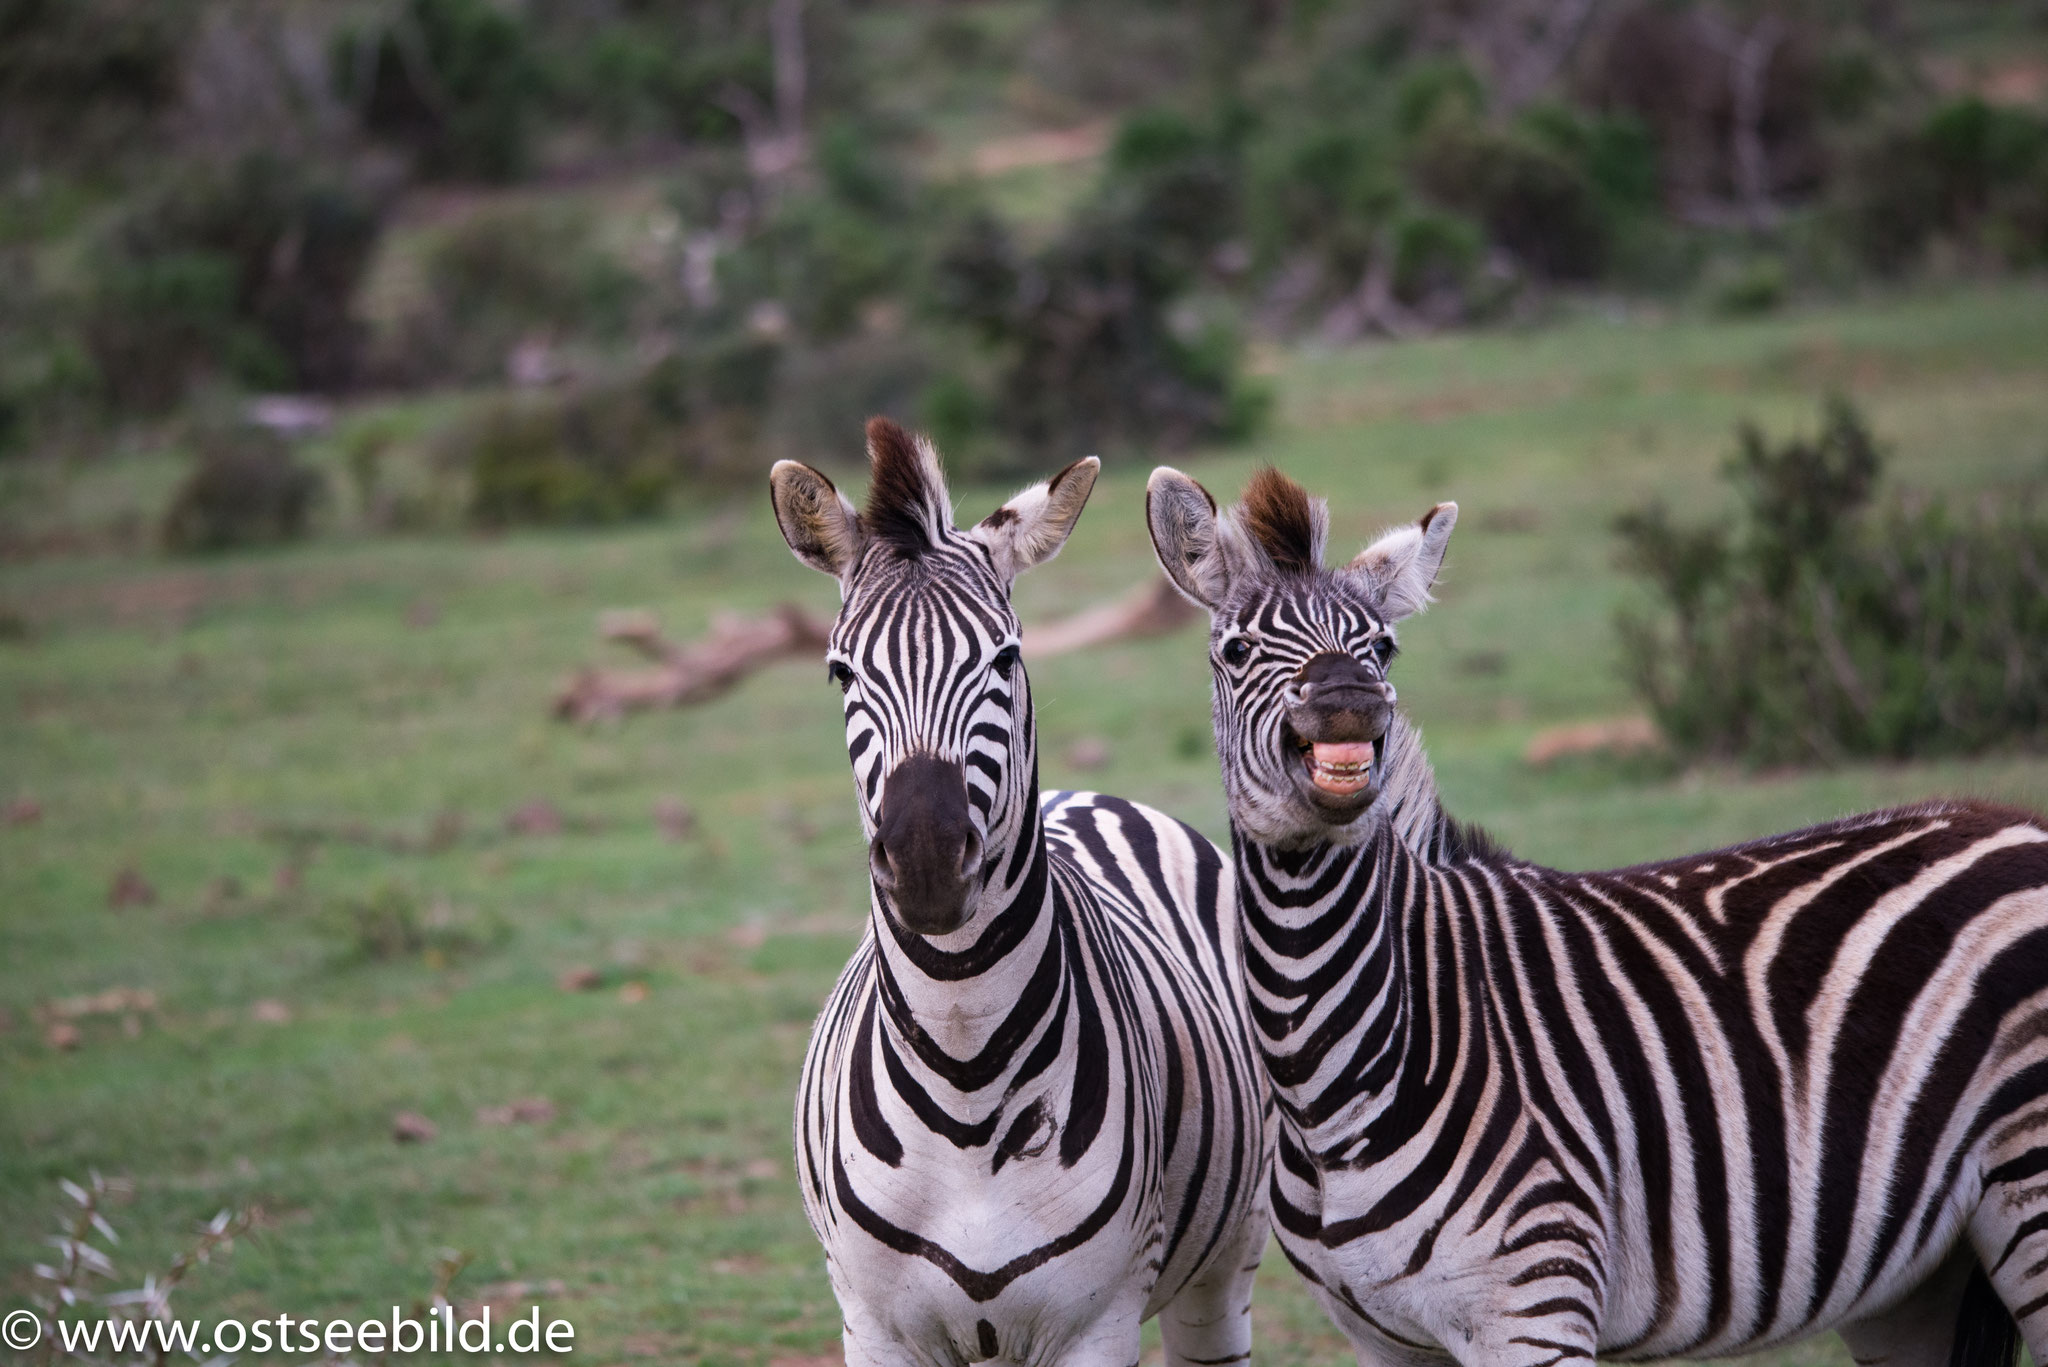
[1342,769]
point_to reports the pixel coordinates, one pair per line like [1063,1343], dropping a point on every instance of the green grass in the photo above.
[167,716]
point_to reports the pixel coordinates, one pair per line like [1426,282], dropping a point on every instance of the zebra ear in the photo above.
[817,521]
[1187,536]
[1030,529]
[1402,564]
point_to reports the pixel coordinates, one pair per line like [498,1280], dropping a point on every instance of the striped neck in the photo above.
[1336,936]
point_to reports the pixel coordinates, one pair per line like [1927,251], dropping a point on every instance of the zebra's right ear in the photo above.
[817,521]
[1187,536]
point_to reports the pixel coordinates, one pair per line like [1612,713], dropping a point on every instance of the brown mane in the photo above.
[901,498]
[1281,517]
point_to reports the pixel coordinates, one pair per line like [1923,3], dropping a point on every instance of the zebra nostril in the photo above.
[878,864]
[970,856]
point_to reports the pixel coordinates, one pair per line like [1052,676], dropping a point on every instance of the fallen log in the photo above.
[683,675]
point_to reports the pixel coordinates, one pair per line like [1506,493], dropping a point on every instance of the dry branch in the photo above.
[698,671]
[687,674]
[1152,610]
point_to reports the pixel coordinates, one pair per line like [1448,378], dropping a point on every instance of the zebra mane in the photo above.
[908,508]
[1284,521]
[1414,811]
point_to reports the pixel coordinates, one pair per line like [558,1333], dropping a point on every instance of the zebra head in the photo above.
[926,651]
[1300,652]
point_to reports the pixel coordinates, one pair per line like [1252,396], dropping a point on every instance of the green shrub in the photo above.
[81,79]
[1084,350]
[616,450]
[457,82]
[244,490]
[1749,287]
[246,272]
[1533,200]
[955,412]
[1970,170]
[1085,354]
[503,275]
[1322,191]
[636,76]
[390,924]
[545,461]
[1826,625]
[1434,253]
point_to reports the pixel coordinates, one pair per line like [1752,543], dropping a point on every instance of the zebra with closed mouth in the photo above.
[1030,1116]
[1692,1108]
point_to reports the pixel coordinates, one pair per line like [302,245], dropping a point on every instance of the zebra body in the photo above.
[1691,1108]
[1031,1114]
[1087,1061]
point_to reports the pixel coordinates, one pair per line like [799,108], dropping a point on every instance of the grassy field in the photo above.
[365,715]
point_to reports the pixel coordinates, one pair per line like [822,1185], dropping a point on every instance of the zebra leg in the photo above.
[1209,1324]
[1922,1329]
[2010,1231]
[1112,1341]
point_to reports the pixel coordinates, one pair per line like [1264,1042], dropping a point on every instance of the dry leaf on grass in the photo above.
[579,979]
[410,1127]
[1089,752]
[270,1011]
[130,889]
[23,811]
[538,817]
[632,994]
[528,1110]
[61,1035]
[1616,736]
[674,819]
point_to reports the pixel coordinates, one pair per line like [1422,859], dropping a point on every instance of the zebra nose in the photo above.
[926,852]
[1335,698]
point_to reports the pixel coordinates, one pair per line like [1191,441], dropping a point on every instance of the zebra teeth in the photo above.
[1340,768]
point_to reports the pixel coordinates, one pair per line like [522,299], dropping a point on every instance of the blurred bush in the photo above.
[191,209]
[616,450]
[247,272]
[1826,624]
[1970,171]
[245,489]
[1091,345]
[505,275]
[82,80]
[456,83]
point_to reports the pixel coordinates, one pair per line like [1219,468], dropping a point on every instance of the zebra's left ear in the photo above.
[1030,529]
[1401,565]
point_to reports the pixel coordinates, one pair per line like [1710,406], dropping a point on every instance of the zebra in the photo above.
[1031,1115]
[1700,1107]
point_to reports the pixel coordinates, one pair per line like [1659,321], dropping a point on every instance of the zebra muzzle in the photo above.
[926,856]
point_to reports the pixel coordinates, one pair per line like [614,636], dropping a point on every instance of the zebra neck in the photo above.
[1342,1002]
[1408,805]
[955,999]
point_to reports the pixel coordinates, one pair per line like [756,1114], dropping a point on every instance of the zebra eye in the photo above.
[1005,661]
[1383,650]
[1236,651]
[838,672]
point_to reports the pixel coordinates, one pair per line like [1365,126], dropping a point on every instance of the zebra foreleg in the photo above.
[1209,1324]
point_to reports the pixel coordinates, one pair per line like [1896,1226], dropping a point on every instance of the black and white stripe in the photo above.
[1030,1117]
[1692,1108]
